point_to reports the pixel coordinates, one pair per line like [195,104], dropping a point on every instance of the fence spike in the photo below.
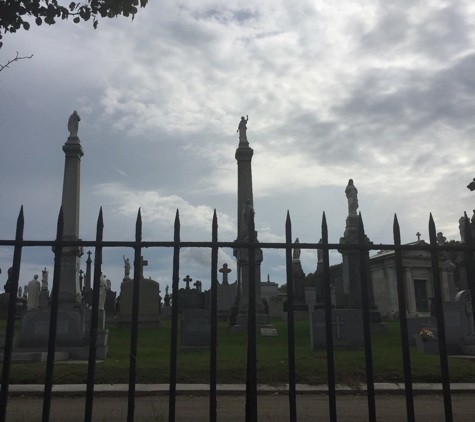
[396,231]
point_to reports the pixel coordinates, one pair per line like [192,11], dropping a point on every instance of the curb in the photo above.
[121,390]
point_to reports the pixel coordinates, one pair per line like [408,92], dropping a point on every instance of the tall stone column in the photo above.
[243,157]
[69,291]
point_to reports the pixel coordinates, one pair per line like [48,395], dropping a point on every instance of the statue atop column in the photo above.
[352,195]
[242,129]
[73,124]
[126,267]
[296,251]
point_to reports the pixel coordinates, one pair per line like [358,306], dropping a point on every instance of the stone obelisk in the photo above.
[69,291]
[244,206]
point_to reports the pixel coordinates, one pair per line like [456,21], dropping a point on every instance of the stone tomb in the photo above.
[195,330]
[347,329]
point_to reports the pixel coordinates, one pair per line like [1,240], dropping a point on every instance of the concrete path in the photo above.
[110,403]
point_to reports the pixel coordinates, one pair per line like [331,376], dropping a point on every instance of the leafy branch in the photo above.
[12,12]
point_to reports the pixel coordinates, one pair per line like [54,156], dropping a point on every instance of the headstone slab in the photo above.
[268,332]
[347,329]
[70,331]
[196,330]
[149,303]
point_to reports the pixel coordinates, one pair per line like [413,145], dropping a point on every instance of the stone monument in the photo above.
[226,293]
[351,314]
[72,335]
[34,287]
[244,209]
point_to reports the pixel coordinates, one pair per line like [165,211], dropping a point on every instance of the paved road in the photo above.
[310,407]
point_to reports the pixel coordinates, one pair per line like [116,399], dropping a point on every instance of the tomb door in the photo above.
[420,293]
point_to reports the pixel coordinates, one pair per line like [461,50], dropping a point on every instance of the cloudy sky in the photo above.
[381,92]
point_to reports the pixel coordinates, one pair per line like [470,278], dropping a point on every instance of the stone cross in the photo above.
[441,239]
[338,323]
[418,236]
[197,284]
[143,263]
[187,280]
[225,270]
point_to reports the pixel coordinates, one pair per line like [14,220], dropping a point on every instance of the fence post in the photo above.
[366,321]
[174,333]
[290,319]
[439,313]
[135,318]
[10,330]
[328,322]
[94,319]
[401,294]
[214,320]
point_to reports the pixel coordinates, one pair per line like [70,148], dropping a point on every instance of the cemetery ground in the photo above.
[153,359]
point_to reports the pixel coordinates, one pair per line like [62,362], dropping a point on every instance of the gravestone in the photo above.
[34,330]
[268,332]
[149,301]
[347,329]
[109,304]
[149,307]
[459,328]
[300,307]
[189,298]
[276,306]
[195,330]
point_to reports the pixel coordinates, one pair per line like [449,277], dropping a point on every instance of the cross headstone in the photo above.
[337,322]
[418,236]
[143,263]
[187,280]
[197,284]
[225,270]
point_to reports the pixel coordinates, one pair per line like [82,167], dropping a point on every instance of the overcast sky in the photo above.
[381,92]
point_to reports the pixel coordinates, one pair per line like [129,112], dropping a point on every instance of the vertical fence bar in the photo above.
[135,318]
[251,384]
[290,320]
[214,321]
[58,250]
[366,321]
[470,263]
[439,313]
[10,329]
[174,333]
[401,294]
[91,368]
[328,322]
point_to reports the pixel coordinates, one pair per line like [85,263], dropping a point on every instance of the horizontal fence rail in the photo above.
[251,245]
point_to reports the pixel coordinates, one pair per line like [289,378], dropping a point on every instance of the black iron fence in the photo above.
[251,245]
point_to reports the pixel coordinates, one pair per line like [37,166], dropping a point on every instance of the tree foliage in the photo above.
[17,14]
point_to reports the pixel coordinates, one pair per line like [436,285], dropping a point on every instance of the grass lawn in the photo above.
[193,367]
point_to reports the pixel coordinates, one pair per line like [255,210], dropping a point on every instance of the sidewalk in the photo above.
[192,403]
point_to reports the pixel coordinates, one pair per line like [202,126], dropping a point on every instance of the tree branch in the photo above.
[14,60]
